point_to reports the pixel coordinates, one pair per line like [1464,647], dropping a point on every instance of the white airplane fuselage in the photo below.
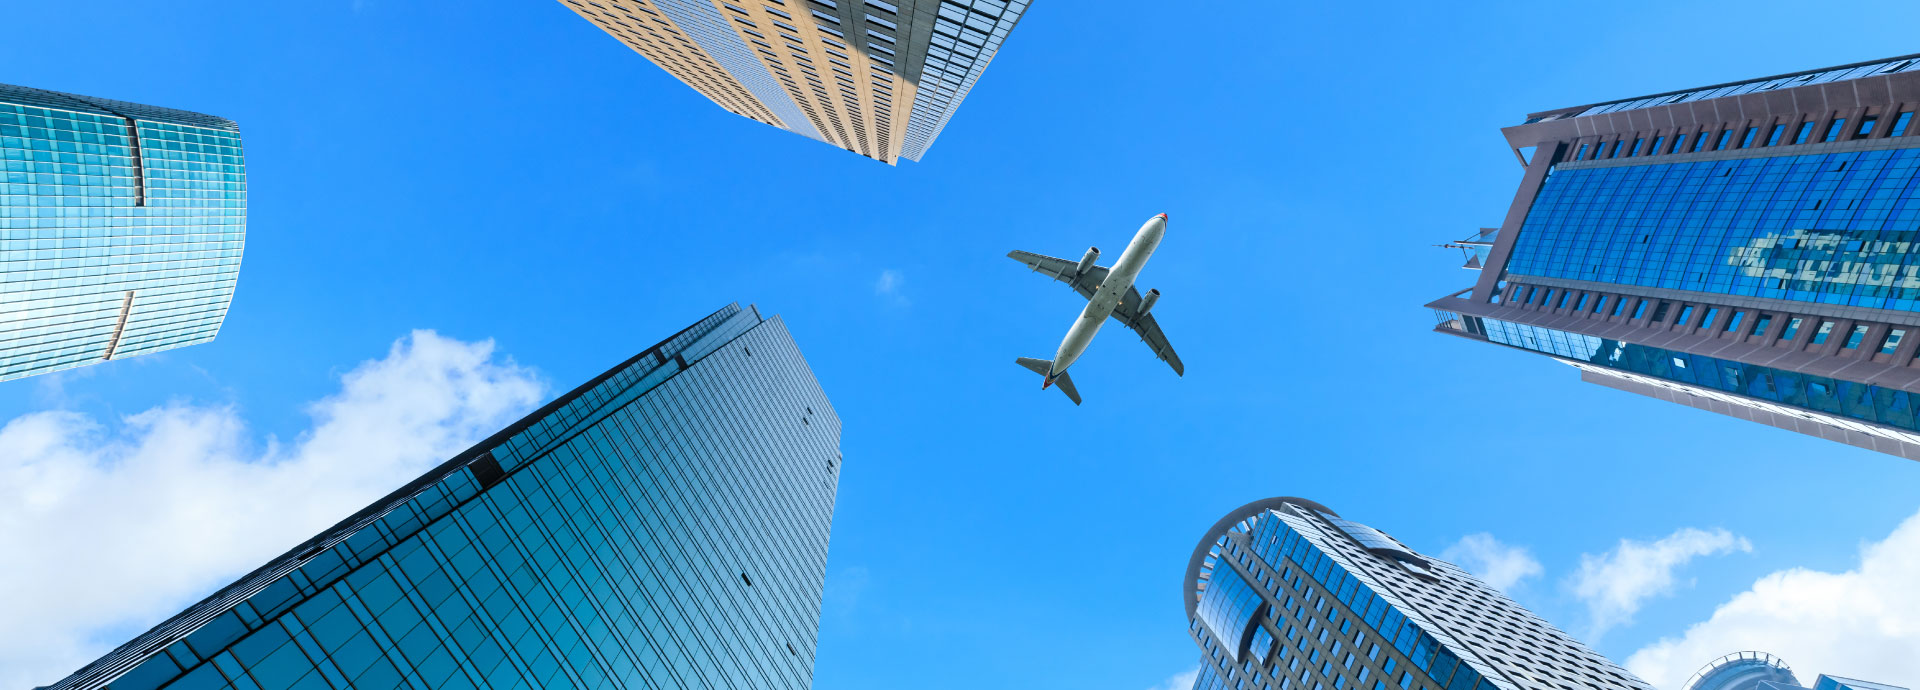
[1107,297]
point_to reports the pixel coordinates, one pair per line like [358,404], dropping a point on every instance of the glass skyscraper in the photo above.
[880,78]
[1750,248]
[662,526]
[121,227]
[1763,671]
[1285,594]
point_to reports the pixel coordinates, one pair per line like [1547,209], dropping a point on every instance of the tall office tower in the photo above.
[879,78]
[1746,248]
[1284,594]
[662,526]
[121,227]
[1763,671]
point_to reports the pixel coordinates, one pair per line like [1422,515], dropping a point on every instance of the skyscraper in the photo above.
[1285,594]
[661,526]
[880,78]
[121,227]
[1763,671]
[1752,249]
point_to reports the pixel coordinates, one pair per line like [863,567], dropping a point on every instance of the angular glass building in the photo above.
[1763,671]
[121,227]
[662,526]
[880,78]
[1750,248]
[1285,594]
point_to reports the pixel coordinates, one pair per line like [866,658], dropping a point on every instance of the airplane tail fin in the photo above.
[1044,367]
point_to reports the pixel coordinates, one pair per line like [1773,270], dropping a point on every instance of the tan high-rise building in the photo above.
[874,77]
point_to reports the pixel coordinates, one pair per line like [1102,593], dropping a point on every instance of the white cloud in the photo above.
[888,283]
[109,527]
[1179,681]
[1615,584]
[1499,565]
[1862,623]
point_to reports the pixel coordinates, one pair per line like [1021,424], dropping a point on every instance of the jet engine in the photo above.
[1086,262]
[1146,302]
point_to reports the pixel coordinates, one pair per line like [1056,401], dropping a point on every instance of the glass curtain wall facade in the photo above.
[880,78]
[1750,248]
[121,228]
[1284,594]
[1763,671]
[662,526]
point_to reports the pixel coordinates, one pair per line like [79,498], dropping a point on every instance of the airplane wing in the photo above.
[1128,313]
[1062,270]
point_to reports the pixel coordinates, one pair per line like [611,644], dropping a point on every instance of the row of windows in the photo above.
[1835,130]
[1706,317]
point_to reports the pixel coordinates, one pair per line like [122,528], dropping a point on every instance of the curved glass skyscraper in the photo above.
[662,526]
[1763,671]
[1750,248]
[1285,594]
[121,227]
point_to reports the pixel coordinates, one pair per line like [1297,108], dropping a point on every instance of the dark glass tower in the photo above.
[1285,594]
[121,227]
[1751,248]
[663,526]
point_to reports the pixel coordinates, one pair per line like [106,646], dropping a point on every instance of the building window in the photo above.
[1619,305]
[1820,336]
[1773,138]
[1582,155]
[1616,149]
[1640,309]
[1707,320]
[1900,124]
[1660,312]
[1853,339]
[1725,136]
[1636,148]
[1699,142]
[1685,313]
[1733,322]
[1793,327]
[1746,140]
[1563,299]
[1582,304]
[1679,142]
[1599,304]
[1806,130]
[1654,150]
[1892,341]
[1833,130]
[1760,326]
[1866,127]
[1547,297]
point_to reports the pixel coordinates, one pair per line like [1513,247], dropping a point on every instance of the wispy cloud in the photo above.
[1179,681]
[1614,585]
[889,284]
[1861,623]
[127,521]
[1500,565]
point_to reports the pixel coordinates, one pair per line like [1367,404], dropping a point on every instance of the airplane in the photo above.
[1109,292]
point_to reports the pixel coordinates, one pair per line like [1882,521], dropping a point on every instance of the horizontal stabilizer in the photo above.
[1066,386]
[1038,366]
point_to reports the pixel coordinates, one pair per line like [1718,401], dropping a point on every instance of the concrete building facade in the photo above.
[880,78]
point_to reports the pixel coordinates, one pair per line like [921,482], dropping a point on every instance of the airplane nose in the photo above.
[1163,216]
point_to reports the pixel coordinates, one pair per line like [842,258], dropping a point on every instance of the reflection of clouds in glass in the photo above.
[1828,256]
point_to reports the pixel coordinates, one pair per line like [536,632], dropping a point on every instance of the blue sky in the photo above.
[505,171]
